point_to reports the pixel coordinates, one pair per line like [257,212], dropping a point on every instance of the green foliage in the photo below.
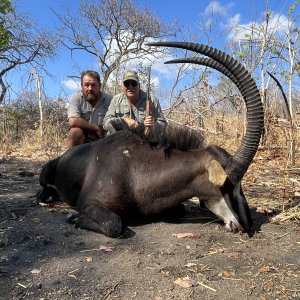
[248,36]
[240,55]
[5,7]
[297,68]
[293,7]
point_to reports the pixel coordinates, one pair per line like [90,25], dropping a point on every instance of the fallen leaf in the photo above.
[185,282]
[183,235]
[178,281]
[88,258]
[264,270]
[265,211]
[228,273]
[190,265]
[221,250]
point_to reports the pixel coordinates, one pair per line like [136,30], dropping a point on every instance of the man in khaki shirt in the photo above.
[130,106]
[87,110]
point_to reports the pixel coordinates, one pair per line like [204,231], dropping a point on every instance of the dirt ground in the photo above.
[43,257]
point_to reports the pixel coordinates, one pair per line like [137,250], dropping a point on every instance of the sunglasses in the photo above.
[129,83]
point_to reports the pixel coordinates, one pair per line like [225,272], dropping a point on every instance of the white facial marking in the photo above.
[222,210]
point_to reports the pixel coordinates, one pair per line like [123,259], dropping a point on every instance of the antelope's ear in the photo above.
[216,173]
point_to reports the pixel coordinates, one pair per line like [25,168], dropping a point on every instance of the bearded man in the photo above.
[86,111]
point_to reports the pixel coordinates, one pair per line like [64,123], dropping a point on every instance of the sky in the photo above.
[188,12]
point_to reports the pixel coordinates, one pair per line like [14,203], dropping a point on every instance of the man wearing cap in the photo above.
[130,106]
[86,111]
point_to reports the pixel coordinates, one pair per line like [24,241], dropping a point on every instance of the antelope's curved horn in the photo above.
[208,62]
[240,161]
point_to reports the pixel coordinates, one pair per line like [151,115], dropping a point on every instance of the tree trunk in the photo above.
[39,96]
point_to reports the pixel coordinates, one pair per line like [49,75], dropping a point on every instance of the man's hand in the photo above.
[100,131]
[131,123]
[149,121]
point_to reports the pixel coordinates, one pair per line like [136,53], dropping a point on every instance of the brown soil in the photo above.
[43,257]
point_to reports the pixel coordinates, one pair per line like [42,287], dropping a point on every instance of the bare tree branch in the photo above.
[112,31]
[27,45]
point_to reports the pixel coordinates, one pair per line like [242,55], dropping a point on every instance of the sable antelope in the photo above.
[110,180]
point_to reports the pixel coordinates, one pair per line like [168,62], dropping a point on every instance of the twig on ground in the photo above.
[207,287]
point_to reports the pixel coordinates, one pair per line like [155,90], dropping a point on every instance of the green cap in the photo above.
[130,75]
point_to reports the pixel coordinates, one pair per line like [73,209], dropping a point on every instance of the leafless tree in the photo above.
[27,45]
[112,31]
[287,51]
[273,46]
[193,99]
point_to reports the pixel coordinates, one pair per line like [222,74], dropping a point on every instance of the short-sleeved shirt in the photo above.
[80,108]
[120,107]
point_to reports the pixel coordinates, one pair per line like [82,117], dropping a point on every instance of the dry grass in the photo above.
[31,145]
[292,213]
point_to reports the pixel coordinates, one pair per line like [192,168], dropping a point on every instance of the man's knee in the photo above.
[76,136]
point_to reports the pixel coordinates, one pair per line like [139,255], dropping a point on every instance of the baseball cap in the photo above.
[130,75]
